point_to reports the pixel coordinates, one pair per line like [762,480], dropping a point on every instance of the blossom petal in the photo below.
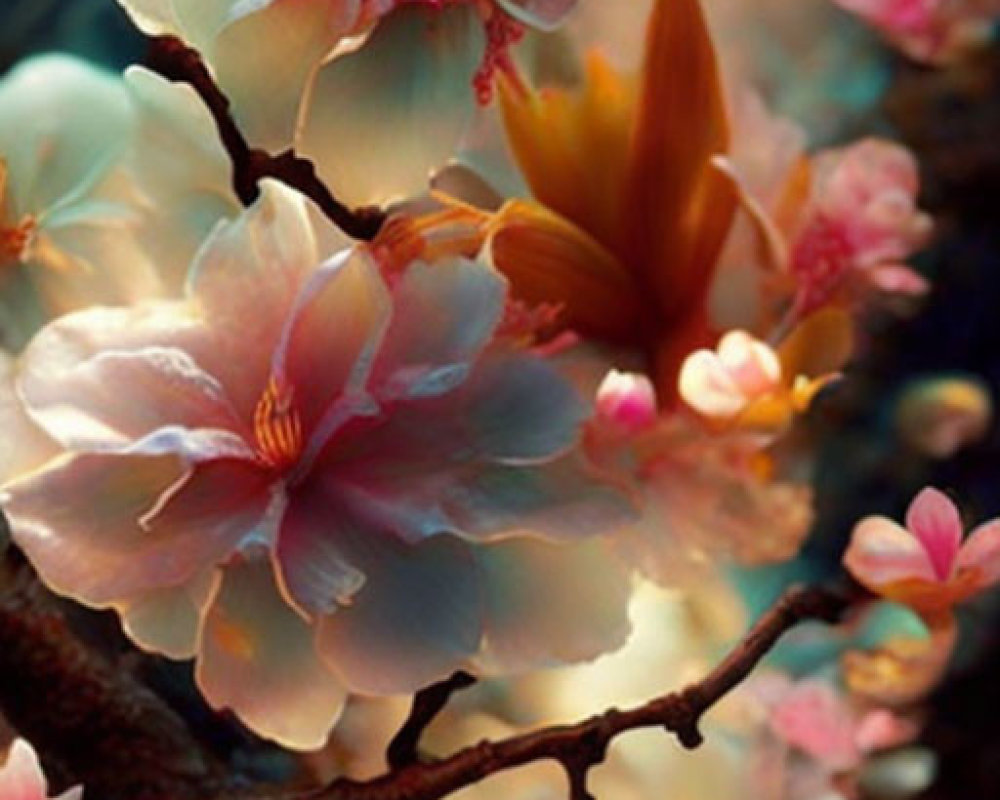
[62,122]
[329,343]
[551,603]
[707,386]
[60,361]
[883,552]
[100,544]
[257,657]
[24,445]
[167,620]
[813,718]
[565,499]
[311,563]
[264,59]
[933,518]
[21,777]
[981,552]
[265,254]
[117,397]
[410,97]
[521,410]
[444,314]
[181,169]
[545,15]
[418,617]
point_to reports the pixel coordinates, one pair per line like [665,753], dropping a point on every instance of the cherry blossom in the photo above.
[21,777]
[304,493]
[925,564]
[935,31]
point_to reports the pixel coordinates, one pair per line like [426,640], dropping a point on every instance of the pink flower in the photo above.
[925,565]
[297,475]
[929,30]
[21,778]
[860,226]
[722,384]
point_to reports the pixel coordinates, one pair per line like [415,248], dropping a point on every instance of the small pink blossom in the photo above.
[21,777]
[929,30]
[723,383]
[925,564]
[861,224]
[627,401]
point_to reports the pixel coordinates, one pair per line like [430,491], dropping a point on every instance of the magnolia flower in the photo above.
[21,777]
[925,564]
[929,30]
[66,237]
[299,491]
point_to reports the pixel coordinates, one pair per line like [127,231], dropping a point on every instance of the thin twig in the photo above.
[174,60]
[427,704]
[580,747]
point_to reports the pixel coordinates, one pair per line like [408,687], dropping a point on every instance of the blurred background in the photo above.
[843,85]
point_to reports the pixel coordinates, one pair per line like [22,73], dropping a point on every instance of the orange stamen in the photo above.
[277,426]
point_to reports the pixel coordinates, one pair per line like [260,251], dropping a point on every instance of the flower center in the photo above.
[277,427]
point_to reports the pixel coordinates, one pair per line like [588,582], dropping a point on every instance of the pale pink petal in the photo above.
[330,340]
[549,604]
[58,370]
[706,385]
[750,362]
[981,552]
[881,729]
[117,397]
[935,521]
[882,552]
[264,59]
[24,446]
[816,720]
[245,281]
[166,621]
[257,658]
[409,91]
[545,15]
[112,535]
[443,316]
[21,777]
[310,558]
[417,618]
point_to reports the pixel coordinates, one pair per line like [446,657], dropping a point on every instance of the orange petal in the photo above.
[679,205]
[549,259]
[572,146]
[818,346]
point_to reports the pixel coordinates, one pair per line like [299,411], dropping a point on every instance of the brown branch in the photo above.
[427,704]
[92,723]
[578,748]
[174,60]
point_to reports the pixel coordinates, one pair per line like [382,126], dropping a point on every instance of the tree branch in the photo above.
[427,704]
[174,60]
[578,748]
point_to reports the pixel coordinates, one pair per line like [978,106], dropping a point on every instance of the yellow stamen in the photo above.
[277,426]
